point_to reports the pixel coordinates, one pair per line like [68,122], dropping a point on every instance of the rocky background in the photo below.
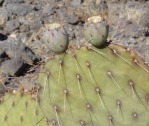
[22,23]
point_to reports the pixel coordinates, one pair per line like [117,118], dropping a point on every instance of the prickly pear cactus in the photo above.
[56,37]
[96,31]
[83,86]
[91,86]
[20,110]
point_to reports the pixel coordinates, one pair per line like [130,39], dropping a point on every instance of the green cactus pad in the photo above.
[95,87]
[96,31]
[20,110]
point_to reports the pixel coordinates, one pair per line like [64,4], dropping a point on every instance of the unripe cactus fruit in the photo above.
[20,110]
[56,37]
[95,87]
[96,31]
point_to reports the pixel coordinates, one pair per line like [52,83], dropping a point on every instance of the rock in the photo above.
[48,9]
[62,14]
[12,25]
[70,31]
[18,9]
[37,7]
[35,25]
[53,1]
[115,12]
[76,2]
[12,67]
[144,19]
[3,16]
[2,90]
[131,30]
[13,1]
[13,49]
[138,13]
[23,37]
[3,59]
[23,20]
[2,37]
[61,4]
[1,1]
[73,20]
[24,28]
[147,32]
[99,8]
[79,32]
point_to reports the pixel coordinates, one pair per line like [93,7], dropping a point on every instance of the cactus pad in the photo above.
[95,87]
[20,110]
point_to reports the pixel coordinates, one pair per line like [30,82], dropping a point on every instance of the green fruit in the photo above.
[95,87]
[56,37]
[20,110]
[96,31]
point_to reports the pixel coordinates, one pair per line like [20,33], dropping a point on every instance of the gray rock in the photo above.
[1,1]
[144,21]
[48,9]
[73,20]
[138,13]
[24,37]
[13,49]
[35,25]
[115,12]
[18,9]
[24,28]
[37,7]
[76,2]
[61,3]
[79,32]
[61,14]
[3,16]
[53,1]
[13,1]
[2,90]
[131,30]
[12,66]
[12,25]
[146,32]
[23,20]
